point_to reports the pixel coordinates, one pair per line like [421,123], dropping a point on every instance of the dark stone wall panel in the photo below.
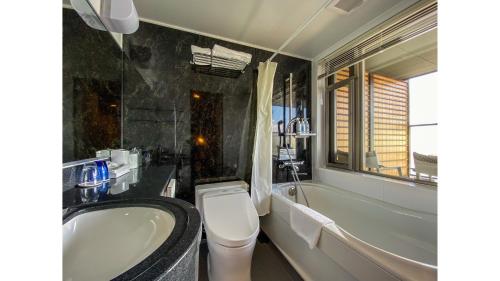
[92,82]
[158,83]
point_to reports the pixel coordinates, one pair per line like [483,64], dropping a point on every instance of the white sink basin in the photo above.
[100,245]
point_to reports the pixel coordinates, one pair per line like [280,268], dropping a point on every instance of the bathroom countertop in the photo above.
[143,188]
[144,182]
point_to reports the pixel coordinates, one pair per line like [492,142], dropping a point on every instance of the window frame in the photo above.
[414,21]
[356,126]
[330,93]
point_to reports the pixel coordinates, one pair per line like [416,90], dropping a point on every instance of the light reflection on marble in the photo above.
[91,89]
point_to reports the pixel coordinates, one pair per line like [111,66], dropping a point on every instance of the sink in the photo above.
[101,244]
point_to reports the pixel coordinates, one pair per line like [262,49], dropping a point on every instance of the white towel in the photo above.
[226,53]
[201,60]
[200,50]
[307,223]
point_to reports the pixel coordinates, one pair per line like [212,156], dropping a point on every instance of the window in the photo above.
[339,92]
[381,101]
[386,124]
[423,121]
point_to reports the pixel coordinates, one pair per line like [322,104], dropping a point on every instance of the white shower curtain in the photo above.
[262,149]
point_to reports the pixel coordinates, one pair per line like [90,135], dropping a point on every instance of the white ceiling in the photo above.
[409,59]
[266,23]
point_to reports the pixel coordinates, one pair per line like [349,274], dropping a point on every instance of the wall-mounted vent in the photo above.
[346,6]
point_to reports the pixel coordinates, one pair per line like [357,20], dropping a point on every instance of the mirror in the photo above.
[92,83]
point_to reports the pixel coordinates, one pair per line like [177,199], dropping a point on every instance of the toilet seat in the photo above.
[230,217]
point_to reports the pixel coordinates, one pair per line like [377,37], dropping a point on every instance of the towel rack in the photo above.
[214,65]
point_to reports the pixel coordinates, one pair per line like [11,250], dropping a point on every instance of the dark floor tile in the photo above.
[268,264]
[202,267]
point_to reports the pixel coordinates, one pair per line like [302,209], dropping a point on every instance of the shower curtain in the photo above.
[262,149]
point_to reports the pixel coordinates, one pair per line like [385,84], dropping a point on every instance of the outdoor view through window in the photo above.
[423,119]
[399,112]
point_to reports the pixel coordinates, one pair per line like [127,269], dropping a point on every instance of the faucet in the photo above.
[293,165]
[290,164]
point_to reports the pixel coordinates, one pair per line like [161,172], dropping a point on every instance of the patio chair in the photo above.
[371,161]
[342,157]
[425,164]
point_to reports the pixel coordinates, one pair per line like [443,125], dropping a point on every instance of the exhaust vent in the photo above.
[346,6]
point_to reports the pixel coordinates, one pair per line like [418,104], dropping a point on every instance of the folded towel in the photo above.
[224,63]
[205,53]
[307,223]
[200,50]
[222,57]
[226,53]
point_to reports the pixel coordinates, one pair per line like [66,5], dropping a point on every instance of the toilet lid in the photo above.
[230,218]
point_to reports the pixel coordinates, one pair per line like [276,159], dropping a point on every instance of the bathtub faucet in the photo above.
[291,164]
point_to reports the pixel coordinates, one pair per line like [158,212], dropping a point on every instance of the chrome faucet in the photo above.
[294,165]
[290,163]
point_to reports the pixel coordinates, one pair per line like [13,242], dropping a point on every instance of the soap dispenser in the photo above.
[307,129]
[301,126]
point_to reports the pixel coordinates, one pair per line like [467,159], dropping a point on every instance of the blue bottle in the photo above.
[102,171]
[103,189]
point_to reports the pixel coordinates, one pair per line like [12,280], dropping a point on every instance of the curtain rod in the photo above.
[301,28]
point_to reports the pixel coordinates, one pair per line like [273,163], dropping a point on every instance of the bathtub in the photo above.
[370,239]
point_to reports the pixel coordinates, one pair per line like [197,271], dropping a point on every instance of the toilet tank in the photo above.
[200,189]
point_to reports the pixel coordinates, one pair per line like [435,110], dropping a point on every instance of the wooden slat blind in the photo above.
[385,119]
[342,112]
[414,21]
[389,121]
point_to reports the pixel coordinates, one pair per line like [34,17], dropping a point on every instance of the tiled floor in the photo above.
[268,264]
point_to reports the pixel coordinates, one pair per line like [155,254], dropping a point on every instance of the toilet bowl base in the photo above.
[229,264]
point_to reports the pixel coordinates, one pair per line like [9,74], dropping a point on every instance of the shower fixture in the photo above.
[290,163]
[302,130]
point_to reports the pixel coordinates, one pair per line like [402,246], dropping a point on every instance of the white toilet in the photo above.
[232,225]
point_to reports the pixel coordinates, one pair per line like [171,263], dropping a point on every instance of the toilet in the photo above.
[232,225]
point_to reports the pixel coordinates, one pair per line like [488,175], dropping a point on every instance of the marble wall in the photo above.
[158,86]
[144,98]
[92,81]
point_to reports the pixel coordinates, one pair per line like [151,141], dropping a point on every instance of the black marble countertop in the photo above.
[144,182]
[142,187]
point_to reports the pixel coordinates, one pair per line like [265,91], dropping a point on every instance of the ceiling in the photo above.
[265,24]
[406,60]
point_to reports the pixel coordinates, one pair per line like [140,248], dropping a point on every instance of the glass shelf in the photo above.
[302,135]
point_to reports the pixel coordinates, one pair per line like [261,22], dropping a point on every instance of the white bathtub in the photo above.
[370,239]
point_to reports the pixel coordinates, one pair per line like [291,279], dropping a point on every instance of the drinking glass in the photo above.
[90,175]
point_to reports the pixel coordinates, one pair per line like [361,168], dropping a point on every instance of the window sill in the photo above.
[392,179]
[402,193]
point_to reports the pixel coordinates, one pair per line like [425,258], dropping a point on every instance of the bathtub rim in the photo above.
[399,266]
[355,194]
